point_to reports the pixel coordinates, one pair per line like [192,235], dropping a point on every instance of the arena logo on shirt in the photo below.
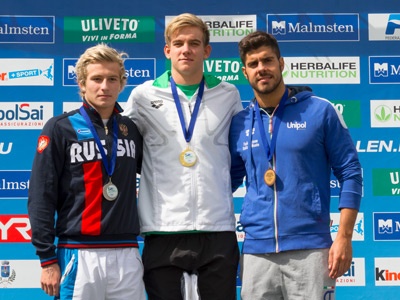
[386,226]
[385,113]
[384,27]
[14,184]
[15,229]
[109,29]
[322,70]
[27,29]
[227,28]
[30,72]
[137,71]
[386,182]
[314,27]
[355,275]
[25,115]
[387,271]
[358,232]
[384,69]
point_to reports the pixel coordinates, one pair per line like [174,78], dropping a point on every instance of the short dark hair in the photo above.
[256,40]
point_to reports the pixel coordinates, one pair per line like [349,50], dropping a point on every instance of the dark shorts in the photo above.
[213,256]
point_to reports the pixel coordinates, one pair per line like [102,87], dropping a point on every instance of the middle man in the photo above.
[185,199]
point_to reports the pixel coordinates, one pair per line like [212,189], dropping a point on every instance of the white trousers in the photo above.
[101,274]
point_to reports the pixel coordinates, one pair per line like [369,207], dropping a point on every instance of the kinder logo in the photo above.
[387,226]
[14,184]
[314,27]
[384,27]
[387,271]
[137,71]
[385,113]
[239,229]
[322,70]
[27,29]
[19,72]
[384,69]
[355,275]
[386,182]
[25,115]
[358,231]
[15,229]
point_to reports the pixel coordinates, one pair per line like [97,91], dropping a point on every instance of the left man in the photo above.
[83,190]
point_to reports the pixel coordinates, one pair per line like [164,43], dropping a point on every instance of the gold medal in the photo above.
[110,191]
[187,158]
[270,177]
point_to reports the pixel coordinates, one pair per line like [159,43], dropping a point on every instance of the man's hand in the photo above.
[50,279]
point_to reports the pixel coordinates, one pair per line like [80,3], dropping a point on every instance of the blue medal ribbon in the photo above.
[189,132]
[108,166]
[268,142]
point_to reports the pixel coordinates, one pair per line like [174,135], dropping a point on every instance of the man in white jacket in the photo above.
[185,199]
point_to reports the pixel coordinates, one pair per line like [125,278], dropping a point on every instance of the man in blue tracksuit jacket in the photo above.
[286,143]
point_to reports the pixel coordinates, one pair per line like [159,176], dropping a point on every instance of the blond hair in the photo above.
[186,20]
[97,54]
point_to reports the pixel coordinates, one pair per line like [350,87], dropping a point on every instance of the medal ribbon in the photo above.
[189,132]
[268,142]
[109,167]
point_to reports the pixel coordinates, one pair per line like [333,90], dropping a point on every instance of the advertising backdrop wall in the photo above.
[346,51]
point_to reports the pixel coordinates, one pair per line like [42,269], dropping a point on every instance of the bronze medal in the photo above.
[270,177]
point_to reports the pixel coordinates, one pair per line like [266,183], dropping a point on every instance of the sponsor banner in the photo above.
[314,27]
[378,146]
[5,147]
[27,29]
[386,226]
[26,72]
[137,71]
[25,115]
[20,273]
[227,28]
[350,110]
[322,70]
[15,229]
[14,184]
[239,229]
[386,182]
[385,113]
[68,106]
[358,232]
[109,29]
[384,69]
[226,69]
[387,271]
[355,276]
[384,27]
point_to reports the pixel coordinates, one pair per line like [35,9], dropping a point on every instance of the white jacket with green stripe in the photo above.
[172,197]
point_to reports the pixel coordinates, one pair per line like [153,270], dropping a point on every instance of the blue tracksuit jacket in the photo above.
[312,140]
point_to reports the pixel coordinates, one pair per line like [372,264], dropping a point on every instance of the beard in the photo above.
[268,88]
